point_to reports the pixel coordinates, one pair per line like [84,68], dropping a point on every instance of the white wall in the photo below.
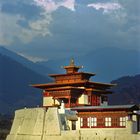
[83,99]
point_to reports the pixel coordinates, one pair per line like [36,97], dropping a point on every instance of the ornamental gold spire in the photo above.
[72,62]
[72,68]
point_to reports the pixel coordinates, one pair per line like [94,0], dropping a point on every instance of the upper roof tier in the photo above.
[71,74]
[72,68]
[74,78]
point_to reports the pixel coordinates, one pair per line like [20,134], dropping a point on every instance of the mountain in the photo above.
[127,90]
[107,63]
[17,73]
[15,89]
[5,125]
[42,70]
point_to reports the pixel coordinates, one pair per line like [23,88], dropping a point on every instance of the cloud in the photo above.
[12,29]
[40,26]
[116,11]
[51,5]
[31,58]
[55,32]
[107,7]
[27,10]
[9,29]
[21,22]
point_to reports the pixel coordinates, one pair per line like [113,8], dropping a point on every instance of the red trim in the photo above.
[46,95]
[84,127]
[108,127]
[76,73]
[100,109]
[84,122]
[89,83]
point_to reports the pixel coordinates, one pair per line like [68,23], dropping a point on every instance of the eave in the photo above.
[81,83]
[106,108]
[65,88]
[76,73]
[51,85]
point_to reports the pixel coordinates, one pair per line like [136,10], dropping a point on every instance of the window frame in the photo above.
[93,122]
[84,122]
[108,121]
[122,121]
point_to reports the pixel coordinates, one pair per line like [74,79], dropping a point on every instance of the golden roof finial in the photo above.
[72,62]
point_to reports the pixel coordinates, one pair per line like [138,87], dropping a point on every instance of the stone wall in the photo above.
[27,125]
[37,124]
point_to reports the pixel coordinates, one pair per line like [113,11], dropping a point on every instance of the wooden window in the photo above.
[88,122]
[122,121]
[100,122]
[107,121]
[93,122]
[115,122]
[89,99]
[84,122]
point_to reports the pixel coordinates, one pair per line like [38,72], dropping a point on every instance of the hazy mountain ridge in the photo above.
[40,69]
[15,91]
[5,125]
[15,77]
[107,63]
[127,90]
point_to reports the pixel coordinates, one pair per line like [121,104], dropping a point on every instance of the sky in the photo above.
[51,29]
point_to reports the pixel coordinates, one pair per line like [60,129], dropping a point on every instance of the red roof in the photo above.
[76,73]
[107,108]
[79,83]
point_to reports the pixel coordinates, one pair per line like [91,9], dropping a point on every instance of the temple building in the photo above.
[88,99]
[76,108]
[74,88]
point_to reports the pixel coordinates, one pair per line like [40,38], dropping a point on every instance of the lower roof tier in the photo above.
[90,84]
